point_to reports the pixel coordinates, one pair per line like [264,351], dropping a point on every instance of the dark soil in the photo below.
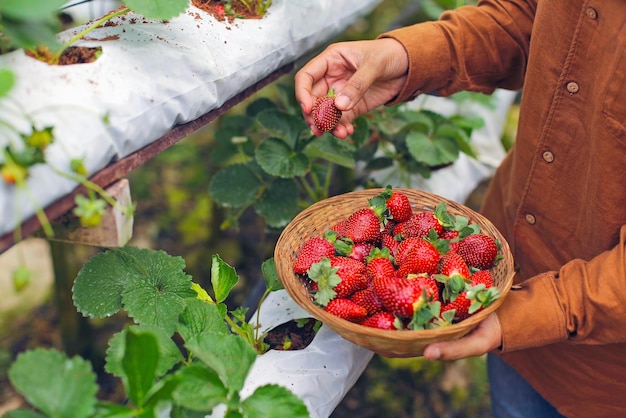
[292,335]
[218,10]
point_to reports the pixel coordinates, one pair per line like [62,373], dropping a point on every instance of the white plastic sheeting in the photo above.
[151,76]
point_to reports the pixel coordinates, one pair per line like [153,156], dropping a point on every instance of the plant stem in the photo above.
[97,23]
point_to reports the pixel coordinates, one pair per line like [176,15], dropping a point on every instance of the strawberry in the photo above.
[479,251]
[381,320]
[367,298]
[390,243]
[399,207]
[427,283]
[353,275]
[312,251]
[363,225]
[452,264]
[482,276]
[420,224]
[422,257]
[358,251]
[325,114]
[472,300]
[346,309]
[401,296]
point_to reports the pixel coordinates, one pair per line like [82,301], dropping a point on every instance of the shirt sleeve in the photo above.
[471,48]
[580,304]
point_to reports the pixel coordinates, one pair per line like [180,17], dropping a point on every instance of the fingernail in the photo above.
[342,101]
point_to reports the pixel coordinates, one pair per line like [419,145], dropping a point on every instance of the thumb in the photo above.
[355,88]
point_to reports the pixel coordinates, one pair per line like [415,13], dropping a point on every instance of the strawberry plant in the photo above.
[280,167]
[184,354]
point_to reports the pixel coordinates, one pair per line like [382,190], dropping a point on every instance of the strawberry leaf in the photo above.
[277,158]
[157,9]
[274,401]
[248,185]
[53,383]
[279,202]
[199,388]
[326,278]
[331,149]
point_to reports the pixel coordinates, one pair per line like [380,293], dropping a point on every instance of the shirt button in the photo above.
[530,218]
[591,13]
[572,87]
[548,156]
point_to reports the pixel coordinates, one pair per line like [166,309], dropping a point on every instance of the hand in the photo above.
[364,74]
[486,337]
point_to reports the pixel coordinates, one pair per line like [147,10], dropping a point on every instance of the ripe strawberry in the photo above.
[472,300]
[422,257]
[401,296]
[346,309]
[479,251]
[381,320]
[452,264]
[390,243]
[482,276]
[358,251]
[364,225]
[379,264]
[325,114]
[420,224]
[353,275]
[367,298]
[399,207]
[427,283]
[312,251]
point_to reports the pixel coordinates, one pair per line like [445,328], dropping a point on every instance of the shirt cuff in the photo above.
[530,315]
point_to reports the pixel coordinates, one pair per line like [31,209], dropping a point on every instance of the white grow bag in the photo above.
[152,75]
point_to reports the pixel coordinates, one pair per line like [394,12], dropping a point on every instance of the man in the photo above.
[559,197]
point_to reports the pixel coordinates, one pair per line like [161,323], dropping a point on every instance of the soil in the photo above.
[292,335]
[217,9]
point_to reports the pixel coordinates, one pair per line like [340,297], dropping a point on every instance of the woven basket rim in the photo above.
[408,341]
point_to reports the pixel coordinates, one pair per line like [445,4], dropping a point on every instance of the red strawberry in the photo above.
[478,250]
[482,276]
[452,264]
[427,283]
[422,257]
[420,224]
[325,114]
[381,320]
[390,243]
[358,251]
[312,251]
[346,309]
[353,275]
[401,296]
[367,298]
[380,264]
[399,207]
[364,225]
[472,300]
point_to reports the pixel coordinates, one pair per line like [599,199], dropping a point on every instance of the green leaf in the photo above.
[279,159]
[53,383]
[169,354]
[152,286]
[431,152]
[30,10]
[274,401]
[158,9]
[7,81]
[279,203]
[272,281]
[361,131]
[282,125]
[200,316]
[113,410]
[30,34]
[200,389]
[259,105]
[235,186]
[459,135]
[229,355]
[223,278]
[140,362]
[330,148]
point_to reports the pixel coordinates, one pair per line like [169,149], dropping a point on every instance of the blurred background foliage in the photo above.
[175,213]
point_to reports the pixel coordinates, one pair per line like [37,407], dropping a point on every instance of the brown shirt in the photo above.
[559,197]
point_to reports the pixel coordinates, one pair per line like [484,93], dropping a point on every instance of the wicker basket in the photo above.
[316,219]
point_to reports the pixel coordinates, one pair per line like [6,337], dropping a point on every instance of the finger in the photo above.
[306,79]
